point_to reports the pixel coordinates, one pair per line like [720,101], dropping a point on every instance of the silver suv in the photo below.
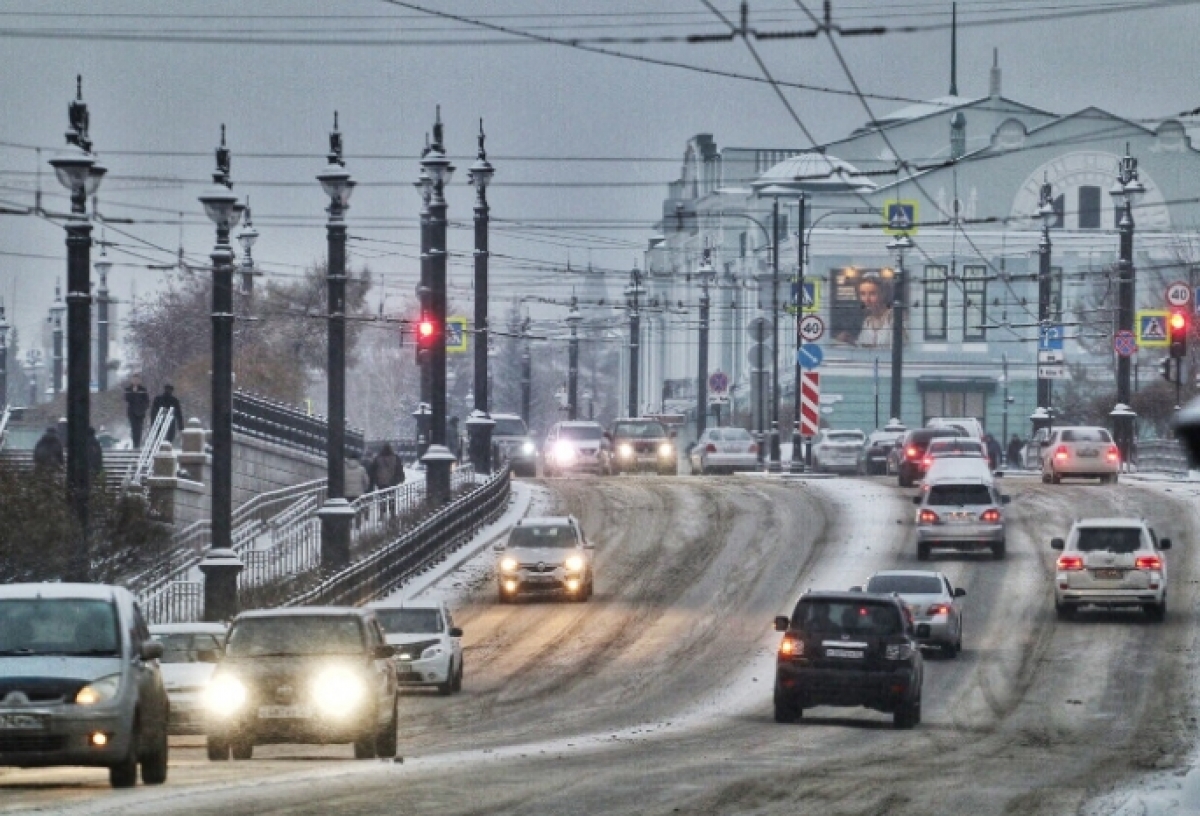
[80,682]
[545,555]
[1111,562]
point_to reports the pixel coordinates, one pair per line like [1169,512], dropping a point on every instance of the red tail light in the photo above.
[753,447]
[1070,563]
[911,452]
[1147,562]
[1061,453]
[710,448]
[927,517]
[992,515]
[928,462]
[1114,455]
[939,609]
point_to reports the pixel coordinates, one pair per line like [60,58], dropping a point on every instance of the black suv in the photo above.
[908,457]
[848,649]
[303,675]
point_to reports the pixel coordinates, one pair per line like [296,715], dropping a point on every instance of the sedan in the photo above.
[935,605]
[1083,452]
[724,450]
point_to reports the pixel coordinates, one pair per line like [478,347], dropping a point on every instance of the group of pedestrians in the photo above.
[138,406]
[385,471]
[49,454]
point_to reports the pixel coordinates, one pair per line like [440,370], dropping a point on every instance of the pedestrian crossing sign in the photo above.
[812,295]
[1152,328]
[456,335]
[900,217]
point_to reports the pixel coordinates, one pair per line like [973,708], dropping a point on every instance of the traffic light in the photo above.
[1166,369]
[425,330]
[1177,331]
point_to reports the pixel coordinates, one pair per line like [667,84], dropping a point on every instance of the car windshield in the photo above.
[580,432]
[1109,539]
[1097,435]
[847,617]
[542,535]
[953,447]
[58,626]
[512,426]
[906,584]
[732,435]
[410,621]
[639,430]
[950,495]
[295,635]
[180,647]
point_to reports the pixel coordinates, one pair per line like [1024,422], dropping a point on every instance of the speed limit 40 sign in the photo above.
[812,328]
[1179,294]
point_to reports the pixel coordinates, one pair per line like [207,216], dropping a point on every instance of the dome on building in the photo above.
[812,172]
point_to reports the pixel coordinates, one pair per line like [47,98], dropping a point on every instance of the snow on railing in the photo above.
[140,469]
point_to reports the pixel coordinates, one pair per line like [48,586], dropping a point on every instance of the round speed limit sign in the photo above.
[1179,294]
[812,328]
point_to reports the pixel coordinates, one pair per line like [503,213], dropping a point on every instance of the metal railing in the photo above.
[140,468]
[1161,456]
[5,415]
[287,425]
[176,602]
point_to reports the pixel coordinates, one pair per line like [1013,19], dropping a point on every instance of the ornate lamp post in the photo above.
[707,275]
[633,292]
[247,237]
[898,246]
[56,341]
[526,372]
[573,321]
[424,185]
[1126,191]
[103,265]
[78,171]
[221,565]
[480,423]
[437,459]
[1047,215]
[336,514]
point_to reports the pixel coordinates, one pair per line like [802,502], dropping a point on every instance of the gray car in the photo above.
[512,438]
[961,513]
[80,682]
[933,602]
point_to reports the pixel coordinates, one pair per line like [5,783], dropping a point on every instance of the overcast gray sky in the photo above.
[160,78]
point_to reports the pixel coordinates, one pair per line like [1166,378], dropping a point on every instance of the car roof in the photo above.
[188,629]
[1057,428]
[578,423]
[909,574]
[305,612]
[407,604]
[530,521]
[1111,522]
[99,592]
[496,415]
[838,595]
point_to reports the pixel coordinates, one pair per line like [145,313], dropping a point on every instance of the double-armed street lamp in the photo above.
[1126,192]
[336,514]
[480,423]
[79,171]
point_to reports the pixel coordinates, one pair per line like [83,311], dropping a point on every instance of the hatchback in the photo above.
[1080,451]
[724,450]
[428,644]
[1111,562]
[873,456]
[545,556]
[908,458]
[572,447]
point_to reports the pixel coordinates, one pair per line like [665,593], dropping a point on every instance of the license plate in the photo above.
[26,722]
[1087,453]
[843,653]
[541,579]
[1109,574]
[961,517]
[288,712]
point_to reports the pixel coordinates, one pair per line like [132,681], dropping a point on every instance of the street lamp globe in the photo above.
[1046,212]
[248,236]
[1135,190]
[221,206]
[438,167]
[337,184]
[481,171]
[73,167]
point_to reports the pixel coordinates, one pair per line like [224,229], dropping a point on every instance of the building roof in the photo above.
[812,171]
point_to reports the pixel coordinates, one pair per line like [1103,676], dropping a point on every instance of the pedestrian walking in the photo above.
[137,403]
[167,401]
[357,480]
[387,470]
[48,453]
[1015,447]
[95,456]
[994,451]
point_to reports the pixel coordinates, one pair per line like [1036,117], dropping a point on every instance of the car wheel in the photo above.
[154,764]
[1156,612]
[364,746]
[907,715]
[1064,612]
[218,749]
[787,710]
[1055,478]
[124,773]
[242,748]
[1045,477]
[923,551]
[458,678]
[999,550]
[385,740]
[950,650]
[447,688]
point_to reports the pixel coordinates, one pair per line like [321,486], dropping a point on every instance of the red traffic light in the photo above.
[1178,322]
[425,329]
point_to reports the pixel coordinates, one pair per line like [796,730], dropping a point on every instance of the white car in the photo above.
[190,652]
[428,644]
[1111,562]
[1080,452]
[723,449]
[837,450]
[935,605]
[547,555]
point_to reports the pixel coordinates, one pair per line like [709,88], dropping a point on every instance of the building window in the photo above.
[935,303]
[742,245]
[1060,206]
[954,404]
[1089,208]
[974,303]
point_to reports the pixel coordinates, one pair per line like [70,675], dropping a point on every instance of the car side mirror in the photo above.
[150,650]
[1164,543]
[959,592]
[1006,499]
[1057,543]
[208,656]
[384,652]
[916,499]
[856,589]
[498,547]
[455,631]
[781,623]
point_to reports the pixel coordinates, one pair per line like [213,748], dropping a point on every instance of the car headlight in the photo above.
[225,695]
[338,692]
[625,450]
[432,651]
[666,449]
[898,651]
[99,691]
[574,563]
[508,565]
[564,452]
[528,449]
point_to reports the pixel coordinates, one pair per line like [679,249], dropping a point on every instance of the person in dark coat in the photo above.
[48,452]
[137,404]
[167,401]
[95,456]
[387,470]
[994,451]
[1015,449]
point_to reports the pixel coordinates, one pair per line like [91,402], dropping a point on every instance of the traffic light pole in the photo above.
[438,459]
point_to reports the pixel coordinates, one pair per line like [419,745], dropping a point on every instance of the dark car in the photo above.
[873,456]
[514,441]
[848,649]
[639,444]
[303,675]
[908,458]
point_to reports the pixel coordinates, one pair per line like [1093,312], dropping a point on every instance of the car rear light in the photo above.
[1147,562]
[928,462]
[1061,453]
[790,647]
[1070,563]
[927,517]
[753,448]
[939,609]
[912,453]
[1113,455]
[991,515]
[710,448]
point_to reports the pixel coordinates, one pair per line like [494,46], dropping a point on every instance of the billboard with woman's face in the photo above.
[860,306]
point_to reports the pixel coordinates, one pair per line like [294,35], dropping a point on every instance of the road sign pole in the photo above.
[797,439]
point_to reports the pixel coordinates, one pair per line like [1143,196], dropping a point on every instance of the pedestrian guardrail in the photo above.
[5,414]
[176,602]
[287,425]
[140,468]
[1161,456]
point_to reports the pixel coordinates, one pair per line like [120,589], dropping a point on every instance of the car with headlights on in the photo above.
[836,451]
[312,675]
[1080,452]
[80,682]
[547,555]
[960,511]
[428,644]
[1111,562]
[572,447]
[190,652]
[848,649]
[723,450]
[933,603]
[516,444]
[634,445]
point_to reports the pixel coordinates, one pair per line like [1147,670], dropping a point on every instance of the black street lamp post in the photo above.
[78,171]
[1047,215]
[1126,191]
[103,265]
[4,327]
[526,372]
[424,187]
[56,340]
[573,321]
[801,246]
[221,565]
[437,459]
[707,274]
[480,422]
[336,514]
[898,246]
[632,294]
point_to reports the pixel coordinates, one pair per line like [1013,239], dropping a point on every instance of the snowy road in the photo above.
[655,696]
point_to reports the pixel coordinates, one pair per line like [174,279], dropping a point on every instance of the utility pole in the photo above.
[899,246]
[480,424]
[801,246]
[424,185]
[103,265]
[56,340]
[1047,215]
[1126,192]
[774,415]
